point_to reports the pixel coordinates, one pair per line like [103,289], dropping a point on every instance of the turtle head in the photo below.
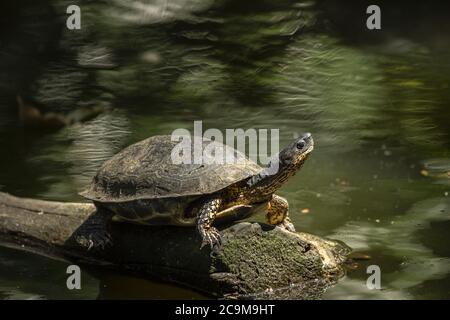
[295,154]
[282,166]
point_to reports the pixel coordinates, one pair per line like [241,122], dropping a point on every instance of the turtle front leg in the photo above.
[278,213]
[207,213]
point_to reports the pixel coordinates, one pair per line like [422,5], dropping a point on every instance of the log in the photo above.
[255,261]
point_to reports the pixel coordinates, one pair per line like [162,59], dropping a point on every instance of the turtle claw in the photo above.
[287,225]
[95,240]
[211,237]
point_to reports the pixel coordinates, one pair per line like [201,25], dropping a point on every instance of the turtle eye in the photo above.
[300,144]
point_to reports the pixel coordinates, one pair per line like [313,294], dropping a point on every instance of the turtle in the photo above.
[143,184]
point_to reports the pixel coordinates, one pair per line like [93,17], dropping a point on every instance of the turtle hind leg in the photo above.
[278,213]
[94,233]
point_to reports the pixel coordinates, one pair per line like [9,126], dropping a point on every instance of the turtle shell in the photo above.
[146,171]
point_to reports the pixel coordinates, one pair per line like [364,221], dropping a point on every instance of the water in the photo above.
[377,106]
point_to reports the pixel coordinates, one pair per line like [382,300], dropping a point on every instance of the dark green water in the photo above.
[378,107]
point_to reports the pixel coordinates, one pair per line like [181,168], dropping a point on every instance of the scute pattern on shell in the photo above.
[145,170]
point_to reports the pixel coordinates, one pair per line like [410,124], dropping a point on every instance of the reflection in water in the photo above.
[398,239]
[155,11]
[90,145]
[378,178]
[28,276]
[34,277]
[114,286]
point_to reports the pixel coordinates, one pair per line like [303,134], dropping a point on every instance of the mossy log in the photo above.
[255,260]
